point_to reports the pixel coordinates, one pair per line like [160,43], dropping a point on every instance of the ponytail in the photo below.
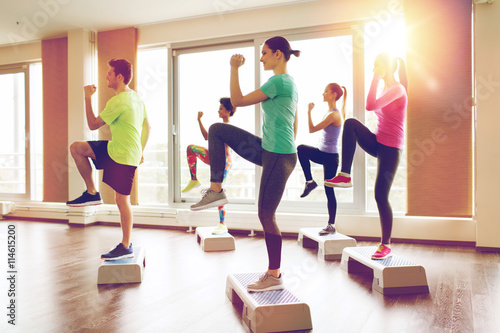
[280,43]
[295,53]
[343,103]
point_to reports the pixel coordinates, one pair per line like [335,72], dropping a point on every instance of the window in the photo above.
[202,79]
[21,132]
[322,61]
[152,86]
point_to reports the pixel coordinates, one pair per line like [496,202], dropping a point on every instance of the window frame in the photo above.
[23,68]
[176,122]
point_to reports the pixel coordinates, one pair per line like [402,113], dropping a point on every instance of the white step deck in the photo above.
[391,276]
[268,311]
[210,242]
[329,246]
[128,270]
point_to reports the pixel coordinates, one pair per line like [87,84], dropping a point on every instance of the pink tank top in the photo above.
[390,108]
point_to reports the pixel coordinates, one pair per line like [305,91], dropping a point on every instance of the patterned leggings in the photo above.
[193,153]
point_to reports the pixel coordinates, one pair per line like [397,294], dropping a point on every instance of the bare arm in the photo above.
[146,128]
[237,98]
[92,121]
[332,119]
[202,128]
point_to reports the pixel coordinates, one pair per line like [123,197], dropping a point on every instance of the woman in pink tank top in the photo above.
[385,144]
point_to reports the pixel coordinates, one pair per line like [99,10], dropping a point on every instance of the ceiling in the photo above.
[27,20]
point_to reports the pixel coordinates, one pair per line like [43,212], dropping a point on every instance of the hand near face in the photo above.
[237,60]
[379,71]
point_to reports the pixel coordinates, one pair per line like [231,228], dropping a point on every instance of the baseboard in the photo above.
[488,249]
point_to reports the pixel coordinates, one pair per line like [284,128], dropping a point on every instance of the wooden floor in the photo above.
[183,288]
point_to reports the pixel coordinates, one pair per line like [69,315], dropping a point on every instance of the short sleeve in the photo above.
[269,88]
[111,111]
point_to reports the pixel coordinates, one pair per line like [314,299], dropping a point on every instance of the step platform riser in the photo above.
[391,276]
[129,270]
[269,311]
[329,247]
[211,243]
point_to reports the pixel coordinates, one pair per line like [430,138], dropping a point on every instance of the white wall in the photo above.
[20,53]
[268,19]
[487,32]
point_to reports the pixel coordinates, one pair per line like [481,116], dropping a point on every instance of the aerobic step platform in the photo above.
[391,276]
[210,242]
[268,311]
[128,270]
[329,246]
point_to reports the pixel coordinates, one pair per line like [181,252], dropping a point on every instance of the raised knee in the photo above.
[349,122]
[215,128]
[75,147]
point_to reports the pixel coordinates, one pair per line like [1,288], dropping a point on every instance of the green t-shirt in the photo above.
[125,114]
[279,114]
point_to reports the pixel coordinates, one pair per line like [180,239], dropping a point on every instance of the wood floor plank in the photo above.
[183,288]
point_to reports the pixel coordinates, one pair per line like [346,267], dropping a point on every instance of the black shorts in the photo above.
[118,176]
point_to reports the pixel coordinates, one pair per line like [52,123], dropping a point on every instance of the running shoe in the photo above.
[220,229]
[210,199]
[308,188]
[382,252]
[266,282]
[329,229]
[339,181]
[119,252]
[191,185]
[86,199]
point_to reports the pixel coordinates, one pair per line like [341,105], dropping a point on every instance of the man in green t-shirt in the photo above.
[127,119]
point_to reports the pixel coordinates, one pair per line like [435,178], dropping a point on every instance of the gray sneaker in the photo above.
[266,282]
[210,199]
[329,229]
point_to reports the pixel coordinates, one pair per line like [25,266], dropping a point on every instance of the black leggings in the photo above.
[330,164]
[276,168]
[387,165]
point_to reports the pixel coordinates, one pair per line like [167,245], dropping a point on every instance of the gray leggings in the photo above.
[276,168]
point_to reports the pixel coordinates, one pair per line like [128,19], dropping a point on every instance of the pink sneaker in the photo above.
[382,252]
[339,181]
